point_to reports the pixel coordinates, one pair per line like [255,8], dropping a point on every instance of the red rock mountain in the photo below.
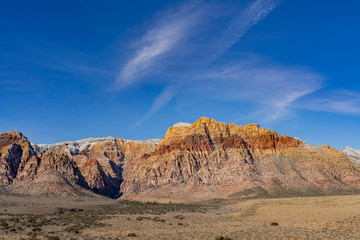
[198,161]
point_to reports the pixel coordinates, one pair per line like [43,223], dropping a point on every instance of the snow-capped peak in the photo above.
[75,147]
[352,154]
[181,124]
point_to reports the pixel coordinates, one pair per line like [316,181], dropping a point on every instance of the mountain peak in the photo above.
[181,124]
[205,120]
[8,138]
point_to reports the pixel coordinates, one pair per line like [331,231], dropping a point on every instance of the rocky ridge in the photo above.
[352,154]
[198,161]
[67,168]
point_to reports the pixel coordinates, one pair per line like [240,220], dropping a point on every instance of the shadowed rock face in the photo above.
[15,149]
[196,161]
[69,168]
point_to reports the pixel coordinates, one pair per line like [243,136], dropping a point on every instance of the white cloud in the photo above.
[253,14]
[277,90]
[160,41]
[274,88]
[340,102]
[173,28]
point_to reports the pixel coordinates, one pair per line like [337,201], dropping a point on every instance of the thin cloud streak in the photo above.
[59,59]
[160,101]
[339,102]
[160,41]
[275,88]
[252,15]
[278,108]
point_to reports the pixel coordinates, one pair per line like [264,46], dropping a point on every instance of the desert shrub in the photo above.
[52,238]
[74,229]
[274,224]
[15,220]
[133,207]
[140,218]
[36,229]
[157,219]
[32,234]
[222,238]
[99,224]
[3,223]
[131,235]
[181,217]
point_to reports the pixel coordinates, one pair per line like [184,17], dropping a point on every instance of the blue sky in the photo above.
[76,69]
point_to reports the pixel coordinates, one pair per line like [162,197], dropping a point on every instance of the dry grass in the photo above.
[335,217]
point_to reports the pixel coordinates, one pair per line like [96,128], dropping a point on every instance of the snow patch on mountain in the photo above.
[75,147]
[352,154]
[181,124]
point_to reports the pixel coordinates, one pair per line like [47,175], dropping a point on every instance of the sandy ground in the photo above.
[333,217]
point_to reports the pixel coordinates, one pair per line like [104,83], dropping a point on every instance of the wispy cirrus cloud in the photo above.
[53,57]
[276,89]
[161,40]
[160,101]
[254,13]
[339,101]
[273,87]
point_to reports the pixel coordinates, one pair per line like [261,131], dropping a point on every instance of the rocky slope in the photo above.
[198,161]
[352,154]
[67,168]
[208,159]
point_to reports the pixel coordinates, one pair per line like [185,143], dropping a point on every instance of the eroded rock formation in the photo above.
[198,161]
[209,159]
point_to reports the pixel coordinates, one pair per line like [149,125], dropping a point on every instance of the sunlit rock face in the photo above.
[199,161]
[208,159]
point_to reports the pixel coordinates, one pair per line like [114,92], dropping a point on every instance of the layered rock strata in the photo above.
[198,161]
[208,159]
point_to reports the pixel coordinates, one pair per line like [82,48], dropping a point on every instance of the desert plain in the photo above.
[324,217]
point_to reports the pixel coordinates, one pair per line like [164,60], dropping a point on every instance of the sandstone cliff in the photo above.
[198,161]
[208,159]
